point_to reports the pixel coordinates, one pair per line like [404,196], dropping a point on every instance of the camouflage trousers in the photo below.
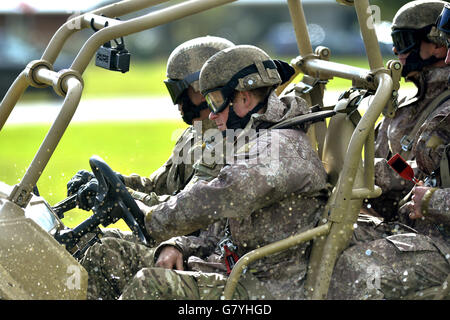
[112,264]
[166,284]
[401,266]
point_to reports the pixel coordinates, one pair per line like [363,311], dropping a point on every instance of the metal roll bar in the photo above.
[69,83]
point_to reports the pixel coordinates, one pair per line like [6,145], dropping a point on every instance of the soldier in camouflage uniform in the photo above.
[106,261]
[265,198]
[404,263]
[422,53]
[410,257]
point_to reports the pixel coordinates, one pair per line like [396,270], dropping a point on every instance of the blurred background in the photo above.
[128,119]
[26,26]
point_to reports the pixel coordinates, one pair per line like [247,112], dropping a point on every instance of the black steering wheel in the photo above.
[112,192]
[113,202]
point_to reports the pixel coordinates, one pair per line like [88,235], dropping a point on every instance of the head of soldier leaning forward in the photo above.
[443,26]
[183,69]
[236,83]
[415,37]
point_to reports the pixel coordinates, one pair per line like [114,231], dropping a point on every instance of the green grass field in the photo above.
[139,147]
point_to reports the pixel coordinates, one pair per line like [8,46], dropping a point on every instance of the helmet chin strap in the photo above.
[415,63]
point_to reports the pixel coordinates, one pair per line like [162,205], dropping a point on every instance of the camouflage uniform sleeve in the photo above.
[438,209]
[150,184]
[149,199]
[240,189]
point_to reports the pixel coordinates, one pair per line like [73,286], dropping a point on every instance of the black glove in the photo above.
[86,194]
[285,70]
[80,178]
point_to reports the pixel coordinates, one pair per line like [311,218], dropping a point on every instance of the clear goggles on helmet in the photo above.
[404,40]
[177,87]
[219,98]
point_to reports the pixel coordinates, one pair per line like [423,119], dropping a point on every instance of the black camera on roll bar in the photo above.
[113,58]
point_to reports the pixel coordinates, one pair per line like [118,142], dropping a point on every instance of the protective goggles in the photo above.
[219,98]
[443,21]
[177,87]
[404,40]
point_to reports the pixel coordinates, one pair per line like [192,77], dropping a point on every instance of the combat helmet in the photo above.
[413,23]
[186,60]
[241,68]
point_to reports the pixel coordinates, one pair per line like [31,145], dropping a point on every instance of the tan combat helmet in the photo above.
[420,15]
[185,62]
[241,68]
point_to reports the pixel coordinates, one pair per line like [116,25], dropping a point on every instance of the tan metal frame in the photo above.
[356,179]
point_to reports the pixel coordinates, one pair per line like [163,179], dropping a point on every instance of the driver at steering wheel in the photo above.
[183,70]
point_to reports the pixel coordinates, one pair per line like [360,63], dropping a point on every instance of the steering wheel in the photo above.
[111,187]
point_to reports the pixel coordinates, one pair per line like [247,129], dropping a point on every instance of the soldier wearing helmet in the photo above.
[404,257]
[264,196]
[422,53]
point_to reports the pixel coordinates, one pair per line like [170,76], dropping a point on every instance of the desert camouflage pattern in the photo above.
[439,207]
[429,150]
[433,137]
[425,146]
[264,201]
[402,259]
[112,264]
[400,266]
[169,178]
[214,75]
[166,284]
[190,56]
[200,251]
